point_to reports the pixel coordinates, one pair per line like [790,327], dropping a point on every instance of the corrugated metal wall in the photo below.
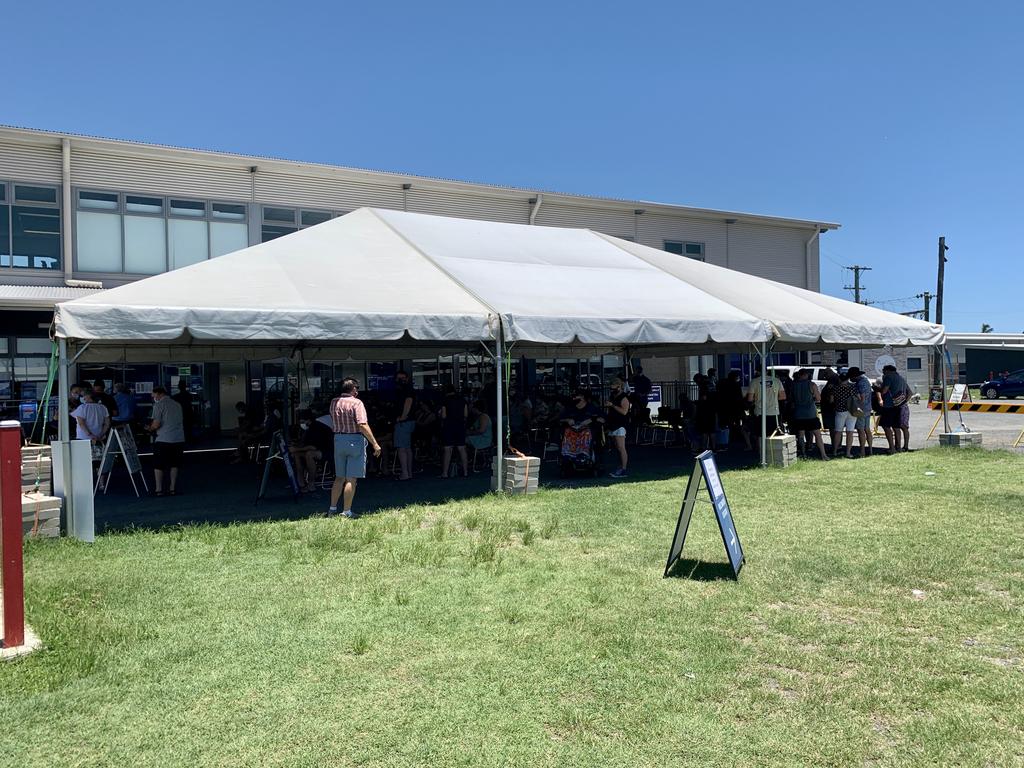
[130,173]
[656,228]
[776,253]
[22,162]
[321,192]
[618,223]
[468,206]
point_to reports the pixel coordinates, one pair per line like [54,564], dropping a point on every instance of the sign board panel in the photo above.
[705,469]
[959,394]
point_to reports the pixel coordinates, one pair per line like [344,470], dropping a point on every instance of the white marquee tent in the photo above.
[377,278]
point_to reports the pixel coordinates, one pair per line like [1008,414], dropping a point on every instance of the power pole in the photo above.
[936,373]
[927,305]
[857,287]
[942,274]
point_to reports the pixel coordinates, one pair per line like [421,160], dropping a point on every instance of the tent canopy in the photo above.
[385,276]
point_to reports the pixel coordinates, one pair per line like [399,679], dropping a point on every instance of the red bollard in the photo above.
[13,584]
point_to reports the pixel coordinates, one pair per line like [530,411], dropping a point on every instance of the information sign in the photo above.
[706,470]
[959,394]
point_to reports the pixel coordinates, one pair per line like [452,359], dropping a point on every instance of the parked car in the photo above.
[817,372]
[1009,385]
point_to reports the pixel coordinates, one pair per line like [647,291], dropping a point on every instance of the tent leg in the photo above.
[764,410]
[942,367]
[499,454]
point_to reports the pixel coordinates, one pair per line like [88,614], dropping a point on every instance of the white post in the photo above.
[945,409]
[764,409]
[500,450]
[64,430]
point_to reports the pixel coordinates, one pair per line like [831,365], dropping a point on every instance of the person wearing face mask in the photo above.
[314,441]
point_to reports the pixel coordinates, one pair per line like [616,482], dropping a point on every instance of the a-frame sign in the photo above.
[705,473]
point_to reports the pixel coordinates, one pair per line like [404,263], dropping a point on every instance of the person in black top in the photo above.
[616,422]
[732,407]
[640,395]
[454,412]
[184,398]
[405,423]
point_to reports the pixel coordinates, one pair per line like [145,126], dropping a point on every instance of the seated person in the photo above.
[250,431]
[480,433]
[313,441]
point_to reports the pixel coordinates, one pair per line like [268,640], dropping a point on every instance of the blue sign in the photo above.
[705,469]
[655,395]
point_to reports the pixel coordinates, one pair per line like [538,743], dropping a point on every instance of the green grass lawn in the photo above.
[539,631]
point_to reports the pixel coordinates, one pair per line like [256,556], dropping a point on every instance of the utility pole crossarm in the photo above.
[857,287]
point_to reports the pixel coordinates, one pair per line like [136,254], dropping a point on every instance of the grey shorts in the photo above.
[864,422]
[403,434]
[349,455]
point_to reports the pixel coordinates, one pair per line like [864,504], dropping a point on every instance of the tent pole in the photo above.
[64,430]
[764,410]
[942,367]
[499,455]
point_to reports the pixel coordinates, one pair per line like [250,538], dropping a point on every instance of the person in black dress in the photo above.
[454,413]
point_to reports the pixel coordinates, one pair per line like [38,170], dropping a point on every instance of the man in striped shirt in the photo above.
[351,434]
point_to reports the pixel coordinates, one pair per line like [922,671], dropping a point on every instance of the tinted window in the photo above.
[284,215]
[36,237]
[26,194]
[139,204]
[228,211]
[309,218]
[101,200]
[272,232]
[187,208]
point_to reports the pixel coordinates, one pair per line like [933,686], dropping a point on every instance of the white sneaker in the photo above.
[349,514]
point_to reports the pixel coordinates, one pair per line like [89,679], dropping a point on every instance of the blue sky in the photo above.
[902,121]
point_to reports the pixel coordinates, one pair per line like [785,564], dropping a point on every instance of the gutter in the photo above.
[536,207]
[807,257]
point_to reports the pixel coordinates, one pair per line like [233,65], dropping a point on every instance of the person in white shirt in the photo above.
[775,394]
[92,419]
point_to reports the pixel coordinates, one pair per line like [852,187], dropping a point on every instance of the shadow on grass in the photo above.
[700,570]
[214,491]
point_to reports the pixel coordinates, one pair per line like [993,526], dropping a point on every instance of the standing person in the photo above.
[805,411]
[454,412]
[844,393]
[705,412]
[774,399]
[125,401]
[168,426]
[641,394]
[92,420]
[351,434]
[731,410]
[183,397]
[862,399]
[616,421]
[786,405]
[895,393]
[828,405]
[405,423]
[104,398]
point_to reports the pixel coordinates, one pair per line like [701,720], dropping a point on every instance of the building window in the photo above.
[913,363]
[29,226]
[146,235]
[682,248]
[278,222]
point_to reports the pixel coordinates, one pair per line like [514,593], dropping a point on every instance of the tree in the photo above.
[986,328]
